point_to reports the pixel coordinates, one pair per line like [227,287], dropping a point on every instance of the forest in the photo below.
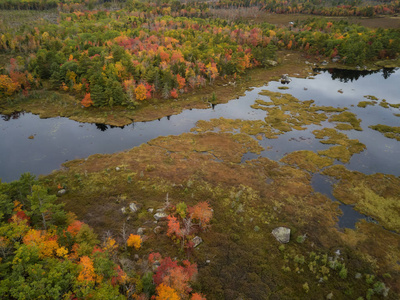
[194,227]
[123,57]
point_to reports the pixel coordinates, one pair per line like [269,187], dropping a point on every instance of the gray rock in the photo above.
[160,215]
[150,210]
[160,209]
[329,296]
[117,169]
[136,257]
[282,234]
[155,266]
[324,63]
[133,207]
[123,210]
[197,241]
[272,63]
[141,231]
[61,192]
[285,79]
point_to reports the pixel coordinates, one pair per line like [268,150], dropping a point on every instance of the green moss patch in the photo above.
[374,195]
[345,147]
[366,103]
[390,132]
[307,160]
[370,97]
[346,117]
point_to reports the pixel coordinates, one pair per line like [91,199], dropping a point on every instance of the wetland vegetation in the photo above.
[184,207]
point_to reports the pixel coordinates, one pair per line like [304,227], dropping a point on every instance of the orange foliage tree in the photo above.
[176,276]
[87,101]
[181,81]
[202,212]
[87,274]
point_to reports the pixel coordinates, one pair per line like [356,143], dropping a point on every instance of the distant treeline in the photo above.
[316,7]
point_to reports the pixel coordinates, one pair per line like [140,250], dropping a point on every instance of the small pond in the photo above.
[57,140]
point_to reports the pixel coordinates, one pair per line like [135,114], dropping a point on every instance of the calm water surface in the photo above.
[57,140]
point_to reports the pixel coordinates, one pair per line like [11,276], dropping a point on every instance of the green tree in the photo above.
[43,207]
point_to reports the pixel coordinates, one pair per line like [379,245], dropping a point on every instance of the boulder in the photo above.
[61,192]
[160,215]
[272,63]
[134,207]
[285,79]
[197,241]
[141,231]
[282,234]
[335,59]
[158,230]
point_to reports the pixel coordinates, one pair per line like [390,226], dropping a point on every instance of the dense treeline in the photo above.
[46,253]
[124,56]
[316,7]
[121,57]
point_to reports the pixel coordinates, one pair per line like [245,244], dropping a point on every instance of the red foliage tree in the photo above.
[174,93]
[173,227]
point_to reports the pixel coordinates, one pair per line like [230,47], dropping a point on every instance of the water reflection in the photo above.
[13,116]
[353,75]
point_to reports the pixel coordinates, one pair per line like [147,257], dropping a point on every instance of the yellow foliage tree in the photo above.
[164,292]
[140,92]
[7,86]
[110,245]
[135,241]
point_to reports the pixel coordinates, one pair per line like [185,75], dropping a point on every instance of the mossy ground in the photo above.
[307,160]
[375,195]
[249,200]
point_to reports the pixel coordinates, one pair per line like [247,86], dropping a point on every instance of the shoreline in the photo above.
[51,104]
